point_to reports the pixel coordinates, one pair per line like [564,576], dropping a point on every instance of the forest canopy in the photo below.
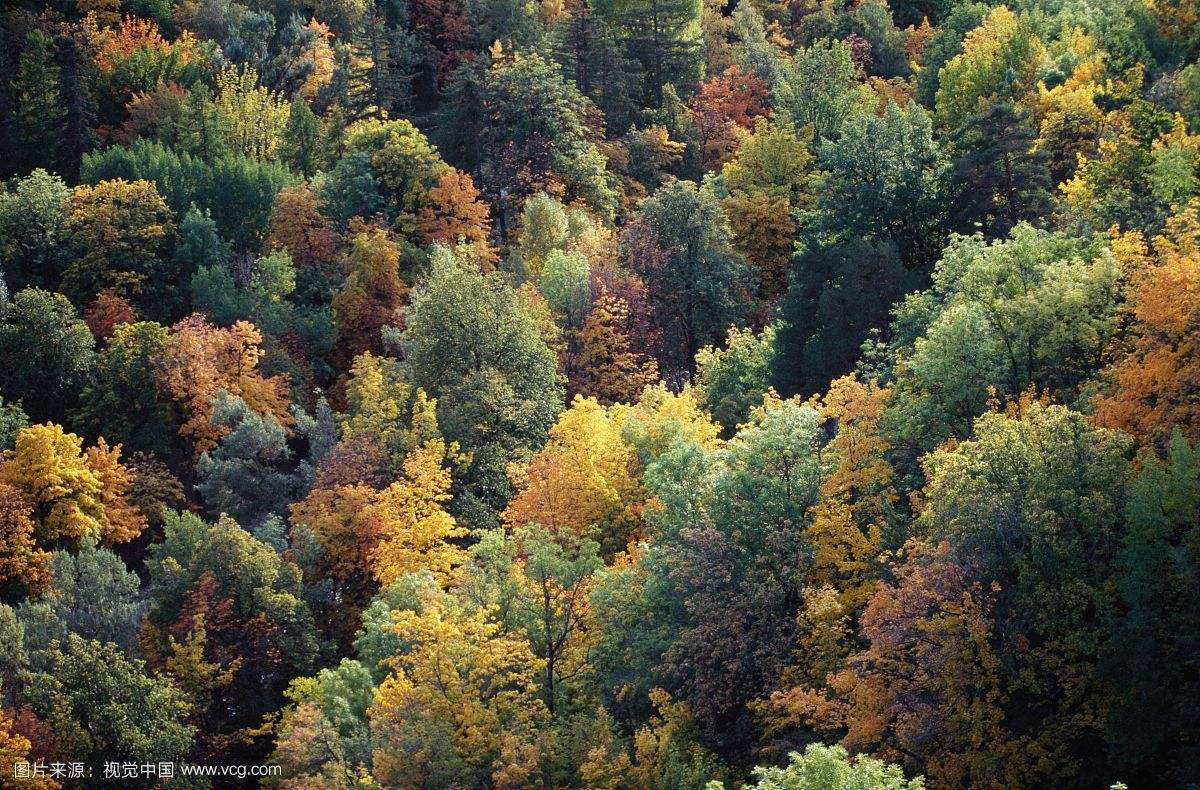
[664,394]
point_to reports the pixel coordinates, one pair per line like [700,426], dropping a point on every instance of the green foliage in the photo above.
[471,343]
[32,214]
[732,381]
[680,243]
[93,596]
[46,353]
[248,475]
[1001,318]
[823,767]
[105,706]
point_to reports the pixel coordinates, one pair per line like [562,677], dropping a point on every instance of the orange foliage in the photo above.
[725,107]
[201,359]
[106,311]
[1156,383]
[298,226]
[453,213]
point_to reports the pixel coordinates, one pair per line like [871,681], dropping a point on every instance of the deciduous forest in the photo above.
[646,394]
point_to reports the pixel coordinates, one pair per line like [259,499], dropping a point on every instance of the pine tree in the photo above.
[40,114]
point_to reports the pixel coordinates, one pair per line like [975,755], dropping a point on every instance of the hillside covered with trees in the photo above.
[664,394]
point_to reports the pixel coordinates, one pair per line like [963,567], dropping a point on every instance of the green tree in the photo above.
[819,87]
[680,243]
[1146,656]
[999,179]
[663,37]
[104,706]
[731,381]
[247,475]
[93,596]
[882,178]
[39,109]
[124,401]
[823,767]
[46,352]
[32,214]
[472,344]
[1035,310]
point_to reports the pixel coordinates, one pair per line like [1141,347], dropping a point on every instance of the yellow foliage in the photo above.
[462,692]
[585,477]
[48,467]
[414,529]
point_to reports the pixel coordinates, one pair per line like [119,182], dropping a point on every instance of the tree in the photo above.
[251,117]
[1035,500]
[725,108]
[199,360]
[73,495]
[837,295]
[298,226]
[565,284]
[106,312]
[92,594]
[303,146]
[680,243]
[584,480]
[249,601]
[1152,391]
[556,571]
[453,214]
[819,88]
[32,215]
[24,567]
[383,407]
[472,344]
[415,532]
[823,767]
[459,705]
[46,353]
[663,38]
[537,135]
[927,687]
[733,380]
[1000,318]
[769,183]
[1000,178]
[402,163]
[39,109]
[107,706]
[371,297]
[1145,656]
[606,367]
[120,230]
[124,399]
[249,474]
[999,60]
[882,179]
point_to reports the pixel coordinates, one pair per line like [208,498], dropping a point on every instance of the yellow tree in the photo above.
[48,467]
[73,494]
[415,531]
[857,496]
[459,707]
[14,749]
[660,416]
[383,407]
[122,520]
[606,367]
[585,478]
